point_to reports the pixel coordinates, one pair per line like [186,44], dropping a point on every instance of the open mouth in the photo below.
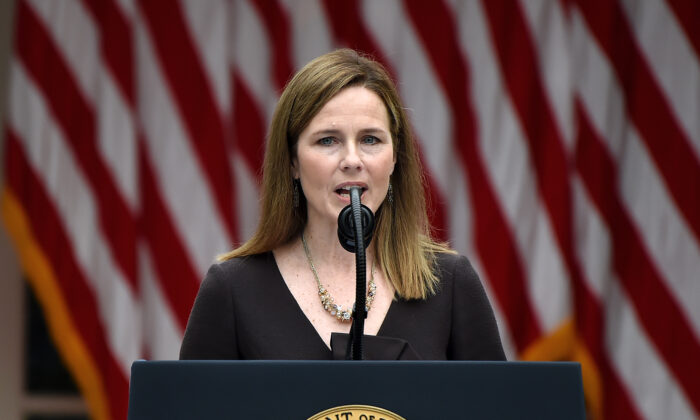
[345,191]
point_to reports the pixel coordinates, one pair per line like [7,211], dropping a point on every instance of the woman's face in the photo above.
[347,143]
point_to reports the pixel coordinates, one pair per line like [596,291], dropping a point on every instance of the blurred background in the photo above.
[560,139]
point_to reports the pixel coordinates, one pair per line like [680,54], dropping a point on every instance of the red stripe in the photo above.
[248,126]
[47,229]
[648,108]
[47,68]
[277,26]
[181,66]
[688,14]
[661,317]
[116,42]
[494,240]
[349,29]
[178,278]
[617,402]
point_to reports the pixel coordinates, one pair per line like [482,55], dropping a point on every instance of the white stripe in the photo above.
[76,37]
[208,25]
[161,335]
[116,138]
[461,217]
[664,232]
[666,236]
[549,29]
[506,160]
[252,57]
[127,8]
[671,59]
[185,190]
[653,389]
[593,245]
[311,35]
[548,282]
[50,158]
[595,81]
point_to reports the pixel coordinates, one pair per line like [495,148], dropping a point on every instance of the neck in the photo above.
[326,249]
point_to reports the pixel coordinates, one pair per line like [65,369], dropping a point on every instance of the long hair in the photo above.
[404,247]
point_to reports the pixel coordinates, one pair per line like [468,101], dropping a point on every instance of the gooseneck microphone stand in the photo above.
[355,228]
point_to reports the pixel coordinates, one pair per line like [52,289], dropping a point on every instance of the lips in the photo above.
[344,189]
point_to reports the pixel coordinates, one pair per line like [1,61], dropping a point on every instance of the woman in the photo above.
[284,294]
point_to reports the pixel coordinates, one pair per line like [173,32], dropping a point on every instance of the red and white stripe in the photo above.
[561,143]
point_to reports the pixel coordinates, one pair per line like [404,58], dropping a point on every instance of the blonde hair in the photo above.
[405,250]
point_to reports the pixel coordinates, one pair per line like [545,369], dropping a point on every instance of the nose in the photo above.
[351,158]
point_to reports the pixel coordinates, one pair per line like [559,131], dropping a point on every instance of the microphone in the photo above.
[346,223]
[355,229]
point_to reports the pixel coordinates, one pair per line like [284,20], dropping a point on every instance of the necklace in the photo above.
[327,300]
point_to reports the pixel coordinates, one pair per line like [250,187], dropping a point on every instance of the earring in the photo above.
[390,194]
[295,196]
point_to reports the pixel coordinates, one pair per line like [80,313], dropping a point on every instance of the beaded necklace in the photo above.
[327,300]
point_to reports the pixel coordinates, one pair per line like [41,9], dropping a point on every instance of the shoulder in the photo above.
[453,267]
[243,265]
[238,271]
[457,276]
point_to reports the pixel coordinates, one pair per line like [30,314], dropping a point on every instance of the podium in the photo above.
[329,389]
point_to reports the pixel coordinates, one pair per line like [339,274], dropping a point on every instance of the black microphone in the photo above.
[355,229]
[346,223]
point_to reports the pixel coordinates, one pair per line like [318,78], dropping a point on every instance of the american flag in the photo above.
[561,141]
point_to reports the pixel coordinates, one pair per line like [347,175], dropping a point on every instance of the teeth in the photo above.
[346,190]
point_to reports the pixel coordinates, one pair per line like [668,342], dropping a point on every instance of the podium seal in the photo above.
[356,412]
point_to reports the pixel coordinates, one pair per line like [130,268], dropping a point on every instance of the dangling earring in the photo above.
[390,194]
[295,196]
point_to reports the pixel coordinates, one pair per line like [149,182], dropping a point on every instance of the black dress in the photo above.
[244,310]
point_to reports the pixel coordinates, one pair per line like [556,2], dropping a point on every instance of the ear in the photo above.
[295,168]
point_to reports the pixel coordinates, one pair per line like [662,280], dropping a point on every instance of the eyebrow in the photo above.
[331,131]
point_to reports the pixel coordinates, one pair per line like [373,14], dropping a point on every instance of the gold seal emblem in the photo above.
[356,412]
